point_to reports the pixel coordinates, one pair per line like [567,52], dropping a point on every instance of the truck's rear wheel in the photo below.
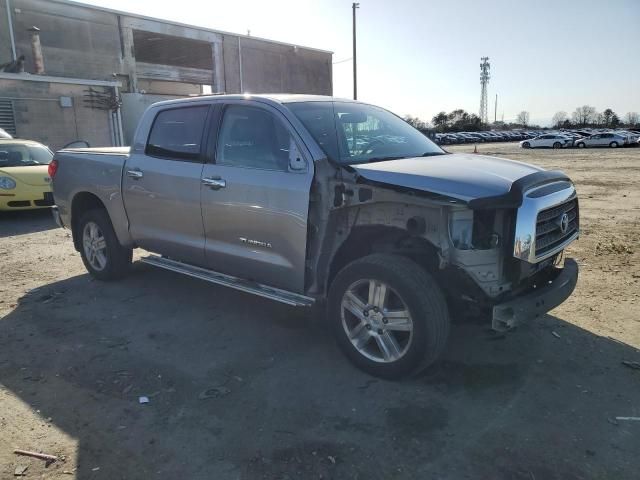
[388,315]
[102,254]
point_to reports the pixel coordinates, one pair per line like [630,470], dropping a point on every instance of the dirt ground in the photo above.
[242,388]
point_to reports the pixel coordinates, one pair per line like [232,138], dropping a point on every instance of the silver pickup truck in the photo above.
[306,199]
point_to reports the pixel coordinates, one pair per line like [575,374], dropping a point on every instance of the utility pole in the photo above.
[495,110]
[355,62]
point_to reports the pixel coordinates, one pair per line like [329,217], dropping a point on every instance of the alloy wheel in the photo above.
[95,246]
[376,320]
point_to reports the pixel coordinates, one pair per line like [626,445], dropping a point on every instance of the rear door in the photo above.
[543,141]
[595,140]
[161,185]
[255,197]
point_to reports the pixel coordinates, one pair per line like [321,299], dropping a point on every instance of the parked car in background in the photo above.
[24,180]
[612,140]
[550,140]
[632,137]
[4,134]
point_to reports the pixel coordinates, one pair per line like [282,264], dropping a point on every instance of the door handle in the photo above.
[135,174]
[216,183]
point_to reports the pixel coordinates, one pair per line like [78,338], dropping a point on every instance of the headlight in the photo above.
[7,183]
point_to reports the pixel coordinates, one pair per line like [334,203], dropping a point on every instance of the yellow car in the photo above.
[24,178]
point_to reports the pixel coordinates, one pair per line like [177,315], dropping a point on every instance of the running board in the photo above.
[284,296]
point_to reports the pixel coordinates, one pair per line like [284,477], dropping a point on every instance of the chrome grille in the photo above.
[549,234]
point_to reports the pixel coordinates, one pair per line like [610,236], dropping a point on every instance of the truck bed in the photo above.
[99,150]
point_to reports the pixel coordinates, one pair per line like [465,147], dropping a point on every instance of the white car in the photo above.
[603,140]
[552,140]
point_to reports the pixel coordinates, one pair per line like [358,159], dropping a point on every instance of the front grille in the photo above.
[549,233]
[19,203]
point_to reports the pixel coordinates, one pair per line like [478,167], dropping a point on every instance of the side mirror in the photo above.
[296,162]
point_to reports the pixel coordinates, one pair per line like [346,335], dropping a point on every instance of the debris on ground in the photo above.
[630,419]
[20,470]
[215,392]
[49,459]
[332,459]
[613,246]
[555,334]
[143,400]
[630,364]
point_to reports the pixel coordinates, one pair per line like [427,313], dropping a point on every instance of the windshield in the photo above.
[352,133]
[21,155]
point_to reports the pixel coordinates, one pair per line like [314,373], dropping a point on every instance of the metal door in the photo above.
[161,186]
[255,198]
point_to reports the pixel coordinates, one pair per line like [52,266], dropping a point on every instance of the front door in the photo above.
[161,186]
[255,198]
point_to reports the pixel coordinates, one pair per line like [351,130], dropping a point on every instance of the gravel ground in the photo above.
[242,388]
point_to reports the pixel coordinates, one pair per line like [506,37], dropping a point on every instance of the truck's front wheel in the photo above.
[388,315]
[101,252]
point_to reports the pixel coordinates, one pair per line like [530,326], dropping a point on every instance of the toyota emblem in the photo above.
[564,223]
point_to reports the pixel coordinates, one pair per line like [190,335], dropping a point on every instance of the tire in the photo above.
[557,145]
[581,145]
[526,145]
[419,338]
[109,262]
[613,144]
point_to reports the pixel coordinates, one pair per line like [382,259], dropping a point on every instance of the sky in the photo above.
[420,57]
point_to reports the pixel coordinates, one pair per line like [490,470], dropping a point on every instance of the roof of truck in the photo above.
[272,97]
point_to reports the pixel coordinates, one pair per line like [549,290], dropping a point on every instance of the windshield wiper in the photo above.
[382,159]
[397,157]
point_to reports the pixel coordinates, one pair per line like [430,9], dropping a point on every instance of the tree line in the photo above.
[585,116]
[588,116]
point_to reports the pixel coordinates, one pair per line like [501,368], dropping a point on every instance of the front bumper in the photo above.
[26,197]
[536,302]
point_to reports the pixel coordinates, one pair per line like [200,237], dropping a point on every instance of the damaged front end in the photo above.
[512,248]
[503,252]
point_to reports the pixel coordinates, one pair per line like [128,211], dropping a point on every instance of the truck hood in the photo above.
[462,176]
[36,175]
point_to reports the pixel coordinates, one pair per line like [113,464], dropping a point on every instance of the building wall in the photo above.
[39,115]
[90,43]
[5,39]
[76,42]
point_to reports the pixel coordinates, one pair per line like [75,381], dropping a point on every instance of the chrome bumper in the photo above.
[537,302]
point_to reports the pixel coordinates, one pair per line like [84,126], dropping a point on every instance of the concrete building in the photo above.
[98,69]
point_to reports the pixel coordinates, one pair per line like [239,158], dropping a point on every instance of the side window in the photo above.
[253,137]
[177,133]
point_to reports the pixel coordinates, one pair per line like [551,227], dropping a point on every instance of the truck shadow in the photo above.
[25,221]
[240,387]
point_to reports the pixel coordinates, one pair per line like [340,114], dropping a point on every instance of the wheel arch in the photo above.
[365,240]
